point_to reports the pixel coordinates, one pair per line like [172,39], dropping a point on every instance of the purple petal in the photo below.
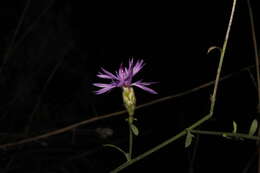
[105,87]
[102,91]
[106,74]
[129,71]
[138,66]
[130,64]
[145,83]
[142,85]
[121,73]
[123,78]
[131,61]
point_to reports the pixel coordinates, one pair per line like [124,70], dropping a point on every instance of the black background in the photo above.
[47,73]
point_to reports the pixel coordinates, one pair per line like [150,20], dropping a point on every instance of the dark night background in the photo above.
[46,81]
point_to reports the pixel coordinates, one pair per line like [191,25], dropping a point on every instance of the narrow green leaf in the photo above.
[134,130]
[119,149]
[212,48]
[226,136]
[253,127]
[127,155]
[188,139]
[234,127]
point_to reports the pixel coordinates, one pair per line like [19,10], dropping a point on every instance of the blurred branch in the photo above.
[34,24]
[19,41]
[39,99]
[19,24]
[250,162]
[255,48]
[253,79]
[251,16]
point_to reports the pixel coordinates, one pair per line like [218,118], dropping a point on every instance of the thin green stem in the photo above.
[119,149]
[223,51]
[130,141]
[228,134]
[199,122]
[163,144]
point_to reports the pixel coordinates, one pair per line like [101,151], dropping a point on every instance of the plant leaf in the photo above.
[234,127]
[188,139]
[226,136]
[212,48]
[134,129]
[119,149]
[127,156]
[253,127]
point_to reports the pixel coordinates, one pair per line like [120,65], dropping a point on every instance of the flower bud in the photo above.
[129,100]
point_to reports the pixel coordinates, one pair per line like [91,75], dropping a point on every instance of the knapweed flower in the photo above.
[123,78]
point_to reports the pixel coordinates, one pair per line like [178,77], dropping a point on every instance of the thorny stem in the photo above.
[199,122]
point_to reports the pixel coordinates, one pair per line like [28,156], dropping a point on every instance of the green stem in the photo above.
[223,51]
[163,144]
[130,140]
[228,134]
[199,122]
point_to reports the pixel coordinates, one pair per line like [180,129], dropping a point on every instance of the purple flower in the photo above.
[123,78]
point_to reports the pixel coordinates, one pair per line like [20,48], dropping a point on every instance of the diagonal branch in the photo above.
[19,24]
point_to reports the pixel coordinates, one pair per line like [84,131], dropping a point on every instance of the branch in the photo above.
[228,134]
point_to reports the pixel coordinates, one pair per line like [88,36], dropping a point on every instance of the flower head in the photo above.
[123,78]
